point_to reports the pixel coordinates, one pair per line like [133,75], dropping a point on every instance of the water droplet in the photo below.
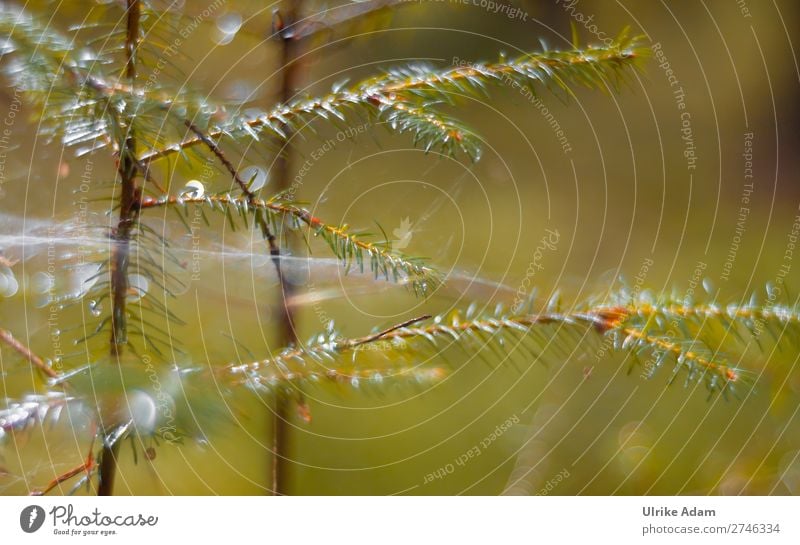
[41,282]
[230,23]
[11,286]
[772,292]
[143,411]
[138,286]
[255,177]
[95,308]
[708,285]
[193,189]
[223,38]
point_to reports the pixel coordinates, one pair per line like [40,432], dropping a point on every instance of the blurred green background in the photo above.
[622,195]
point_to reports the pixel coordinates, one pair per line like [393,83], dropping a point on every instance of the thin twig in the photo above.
[301,214]
[216,150]
[287,332]
[383,334]
[88,466]
[274,250]
[8,338]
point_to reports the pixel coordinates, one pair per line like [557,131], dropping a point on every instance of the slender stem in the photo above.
[280,432]
[381,334]
[288,335]
[340,234]
[132,39]
[87,467]
[287,326]
[130,198]
[8,338]
[108,468]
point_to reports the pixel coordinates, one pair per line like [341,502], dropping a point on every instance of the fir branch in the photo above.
[350,248]
[88,468]
[20,416]
[80,102]
[686,355]
[746,314]
[405,97]
[499,329]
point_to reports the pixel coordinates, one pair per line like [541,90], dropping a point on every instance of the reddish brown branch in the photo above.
[8,338]
[87,467]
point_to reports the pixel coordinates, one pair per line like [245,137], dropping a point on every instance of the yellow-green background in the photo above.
[629,198]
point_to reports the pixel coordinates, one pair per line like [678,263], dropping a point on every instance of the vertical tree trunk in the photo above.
[287,334]
[130,195]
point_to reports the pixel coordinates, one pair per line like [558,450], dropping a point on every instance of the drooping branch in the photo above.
[352,249]
[405,97]
[509,330]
